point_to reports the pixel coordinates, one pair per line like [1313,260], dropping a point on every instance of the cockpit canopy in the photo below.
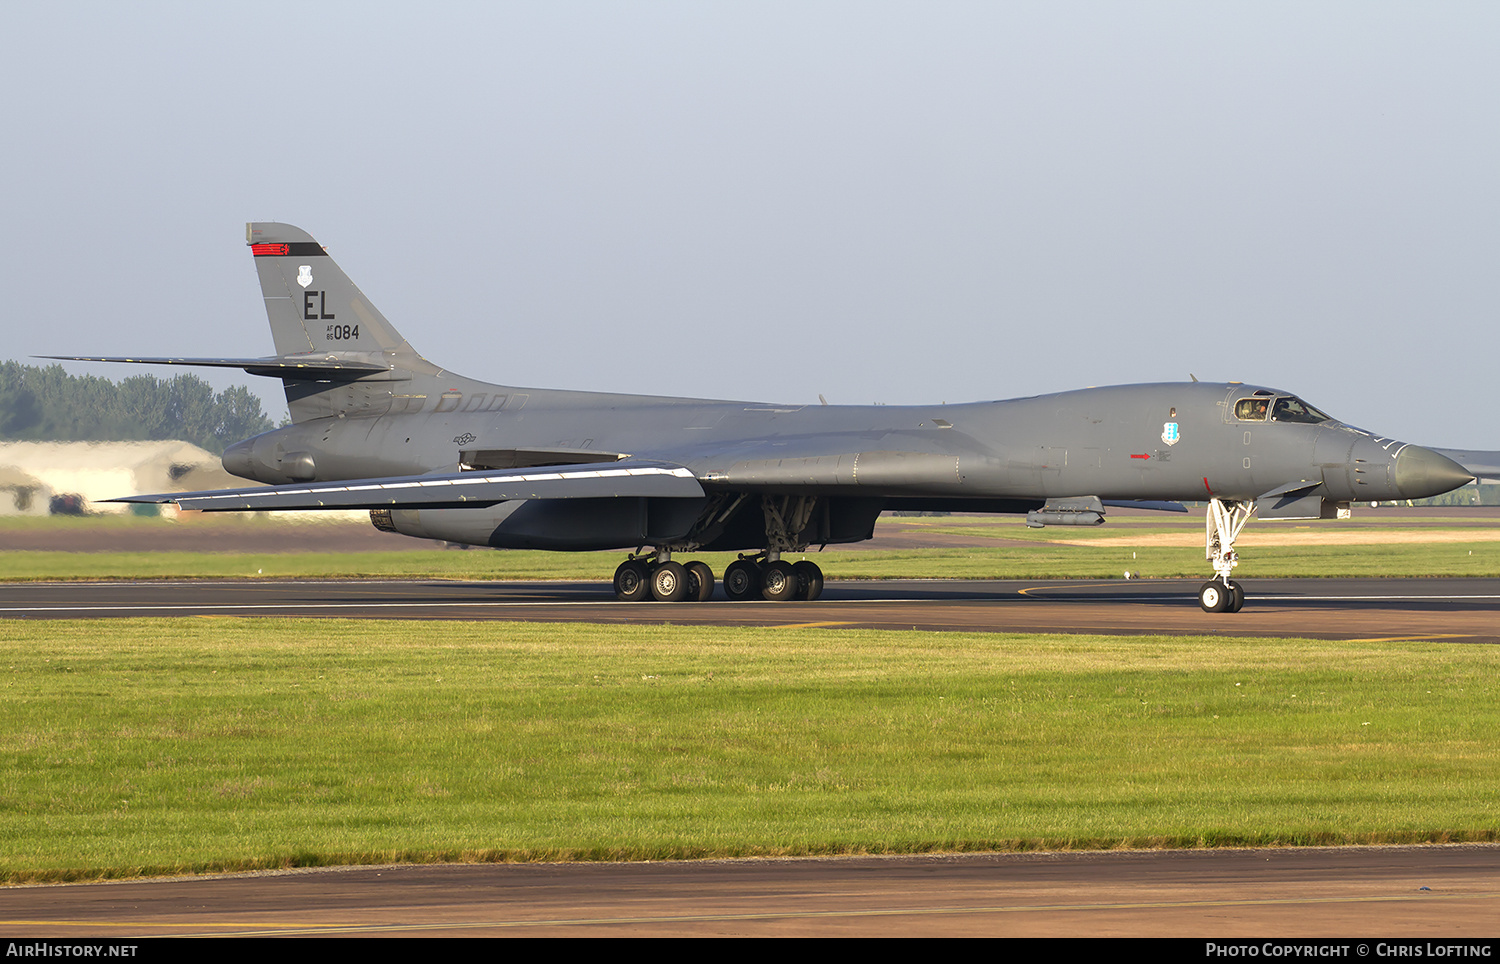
[1265,405]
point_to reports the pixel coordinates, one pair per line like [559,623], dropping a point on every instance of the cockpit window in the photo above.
[1252,409]
[1290,408]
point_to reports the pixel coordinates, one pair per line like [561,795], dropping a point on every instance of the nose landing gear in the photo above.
[1219,597]
[1225,519]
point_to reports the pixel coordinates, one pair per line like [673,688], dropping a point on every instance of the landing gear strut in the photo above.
[1225,519]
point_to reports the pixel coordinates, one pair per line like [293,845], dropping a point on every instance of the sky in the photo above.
[875,202]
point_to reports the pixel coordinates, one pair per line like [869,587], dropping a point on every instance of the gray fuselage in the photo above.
[1171,441]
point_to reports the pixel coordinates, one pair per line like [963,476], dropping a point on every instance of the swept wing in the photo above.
[630,477]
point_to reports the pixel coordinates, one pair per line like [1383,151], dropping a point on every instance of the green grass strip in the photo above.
[133,747]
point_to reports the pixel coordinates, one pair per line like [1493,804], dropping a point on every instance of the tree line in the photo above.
[47,404]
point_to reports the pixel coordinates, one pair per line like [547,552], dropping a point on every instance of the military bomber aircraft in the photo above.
[436,455]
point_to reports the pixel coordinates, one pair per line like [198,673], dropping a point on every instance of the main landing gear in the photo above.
[775,580]
[760,575]
[657,577]
[1225,519]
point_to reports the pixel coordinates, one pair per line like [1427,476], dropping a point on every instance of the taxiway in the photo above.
[1361,892]
[1460,610]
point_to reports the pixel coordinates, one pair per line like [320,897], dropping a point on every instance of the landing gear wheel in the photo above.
[742,580]
[669,582]
[779,582]
[1214,597]
[631,582]
[809,580]
[700,582]
[1236,597]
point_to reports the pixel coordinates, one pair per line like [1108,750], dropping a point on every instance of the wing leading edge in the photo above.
[628,478]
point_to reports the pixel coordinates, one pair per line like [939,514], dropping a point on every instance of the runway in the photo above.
[1452,892]
[1457,610]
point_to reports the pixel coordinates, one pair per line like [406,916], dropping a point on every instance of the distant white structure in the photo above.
[33,473]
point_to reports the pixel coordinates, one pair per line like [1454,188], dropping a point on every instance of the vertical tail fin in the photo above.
[312,305]
[335,352]
[315,310]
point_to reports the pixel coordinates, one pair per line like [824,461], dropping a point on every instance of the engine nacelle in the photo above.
[472,527]
[577,525]
[274,457]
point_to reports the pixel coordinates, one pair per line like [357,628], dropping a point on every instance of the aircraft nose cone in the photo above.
[1422,473]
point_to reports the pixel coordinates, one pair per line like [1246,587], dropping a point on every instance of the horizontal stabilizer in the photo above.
[630,478]
[285,366]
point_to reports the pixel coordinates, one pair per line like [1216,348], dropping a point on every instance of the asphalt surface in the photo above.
[1450,892]
[1461,610]
[1442,891]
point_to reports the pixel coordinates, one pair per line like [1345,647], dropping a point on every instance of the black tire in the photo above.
[742,580]
[700,581]
[810,580]
[1236,597]
[1214,596]
[779,582]
[632,582]
[669,582]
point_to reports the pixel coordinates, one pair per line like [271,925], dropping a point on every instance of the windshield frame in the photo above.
[1290,408]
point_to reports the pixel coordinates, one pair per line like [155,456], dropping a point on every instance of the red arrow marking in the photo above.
[1141,456]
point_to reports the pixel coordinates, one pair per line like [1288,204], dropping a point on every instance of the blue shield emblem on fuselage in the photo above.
[1169,433]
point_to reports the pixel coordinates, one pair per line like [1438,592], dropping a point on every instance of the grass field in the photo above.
[157,746]
[1386,544]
